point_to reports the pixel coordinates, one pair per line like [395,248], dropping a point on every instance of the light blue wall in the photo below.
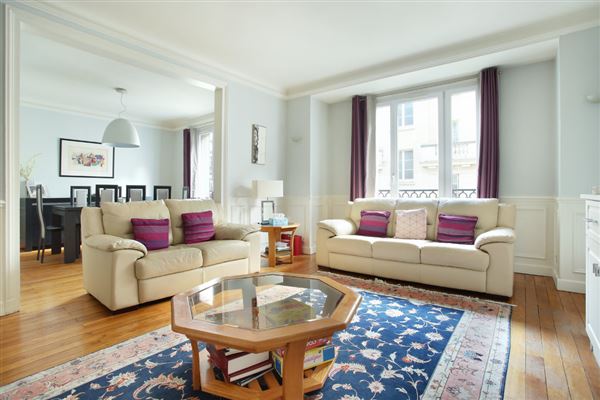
[528,130]
[298,151]
[579,121]
[157,162]
[247,106]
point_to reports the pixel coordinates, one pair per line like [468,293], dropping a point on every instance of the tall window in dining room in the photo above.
[427,143]
[202,162]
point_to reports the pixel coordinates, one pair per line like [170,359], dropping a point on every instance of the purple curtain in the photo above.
[186,158]
[487,179]
[358,162]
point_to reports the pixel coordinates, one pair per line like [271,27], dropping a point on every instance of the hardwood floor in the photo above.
[59,321]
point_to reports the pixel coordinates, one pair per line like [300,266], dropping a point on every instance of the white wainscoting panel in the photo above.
[570,274]
[534,228]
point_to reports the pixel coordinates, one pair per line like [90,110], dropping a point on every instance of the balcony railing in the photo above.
[461,151]
[428,193]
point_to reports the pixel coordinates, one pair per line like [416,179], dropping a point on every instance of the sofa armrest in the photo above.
[234,231]
[496,235]
[338,226]
[114,243]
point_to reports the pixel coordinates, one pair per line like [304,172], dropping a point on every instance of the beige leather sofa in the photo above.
[120,272]
[486,266]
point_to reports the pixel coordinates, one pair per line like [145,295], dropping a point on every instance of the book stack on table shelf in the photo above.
[281,248]
[236,366]
[318,351]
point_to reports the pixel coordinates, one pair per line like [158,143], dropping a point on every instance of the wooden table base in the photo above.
[314,379]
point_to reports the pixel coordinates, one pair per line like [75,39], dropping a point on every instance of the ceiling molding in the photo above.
[112,34]
[54,107]
[495,43]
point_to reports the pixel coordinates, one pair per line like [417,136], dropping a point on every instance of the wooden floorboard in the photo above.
[550,352]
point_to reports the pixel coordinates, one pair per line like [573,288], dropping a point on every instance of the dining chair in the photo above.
[112,193]
[185,192]
[39,199]
[135,193]
[75,190]
[162,192]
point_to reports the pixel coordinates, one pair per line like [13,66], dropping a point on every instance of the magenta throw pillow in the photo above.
[456,229]
[153,233]
[373,223]
[198,227]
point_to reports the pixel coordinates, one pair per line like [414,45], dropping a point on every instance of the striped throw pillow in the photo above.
[456,229]
[153,233]
[198,227]
[373,223]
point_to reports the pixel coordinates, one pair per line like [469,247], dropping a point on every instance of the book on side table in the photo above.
[318,351]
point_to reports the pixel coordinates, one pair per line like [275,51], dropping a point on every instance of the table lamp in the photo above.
[266,190]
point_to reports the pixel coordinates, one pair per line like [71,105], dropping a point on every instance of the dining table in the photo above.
[69,217]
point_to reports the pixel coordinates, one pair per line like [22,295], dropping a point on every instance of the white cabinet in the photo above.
[592,272]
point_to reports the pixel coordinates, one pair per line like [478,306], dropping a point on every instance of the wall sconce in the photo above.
[593,98]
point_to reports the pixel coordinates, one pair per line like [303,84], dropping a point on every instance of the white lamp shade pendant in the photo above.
[120,132]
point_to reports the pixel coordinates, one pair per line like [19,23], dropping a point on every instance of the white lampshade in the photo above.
[269,189]
[121,133]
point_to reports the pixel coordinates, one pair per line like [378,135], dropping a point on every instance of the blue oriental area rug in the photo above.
[404,343]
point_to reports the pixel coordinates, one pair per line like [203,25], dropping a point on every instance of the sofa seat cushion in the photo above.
[220,251]
[403,250]
[354,245]
[168,261]
[454,255]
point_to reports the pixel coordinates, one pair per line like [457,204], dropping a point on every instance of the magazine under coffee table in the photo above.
[263,312]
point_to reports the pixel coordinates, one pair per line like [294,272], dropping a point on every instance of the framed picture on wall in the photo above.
[82,159]
[259,144]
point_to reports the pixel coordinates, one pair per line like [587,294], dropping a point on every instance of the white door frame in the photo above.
[103,41]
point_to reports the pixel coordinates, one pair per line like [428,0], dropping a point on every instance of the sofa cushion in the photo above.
[352,245]
[373,223]
[152,233]
[454,255]
[411,224]
[178,207]
[402,250]
[456,229]
[373,204]
[486,211]
[198,227]
[431,205]
[220,251]
[168,261]
[116,217]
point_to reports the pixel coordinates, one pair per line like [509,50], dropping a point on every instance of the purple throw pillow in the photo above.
[373,223]
[456,229]
[153,233]
[198,227]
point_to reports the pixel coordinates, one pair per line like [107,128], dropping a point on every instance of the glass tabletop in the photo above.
[264,301]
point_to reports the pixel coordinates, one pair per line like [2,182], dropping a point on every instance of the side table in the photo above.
[275,236]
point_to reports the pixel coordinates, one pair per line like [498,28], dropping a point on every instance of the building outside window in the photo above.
[435,135]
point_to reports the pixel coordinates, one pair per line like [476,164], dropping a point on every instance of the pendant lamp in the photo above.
[120,132]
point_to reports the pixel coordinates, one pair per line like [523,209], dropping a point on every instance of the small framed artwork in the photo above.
[259,144]
[82,159]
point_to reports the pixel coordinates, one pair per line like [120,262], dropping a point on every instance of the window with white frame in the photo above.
[427,143]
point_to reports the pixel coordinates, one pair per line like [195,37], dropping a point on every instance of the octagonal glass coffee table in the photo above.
[263,312]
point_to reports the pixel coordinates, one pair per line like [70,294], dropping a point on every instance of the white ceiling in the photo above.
[67,78]
[294,47]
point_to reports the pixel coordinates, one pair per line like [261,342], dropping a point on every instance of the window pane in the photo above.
[463,110]
[420,143]
[382,145]
[408,114]
[408,165]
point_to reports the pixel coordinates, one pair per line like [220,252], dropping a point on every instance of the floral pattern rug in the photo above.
[404,343]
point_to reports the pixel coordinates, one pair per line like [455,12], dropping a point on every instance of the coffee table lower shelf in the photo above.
[314,379]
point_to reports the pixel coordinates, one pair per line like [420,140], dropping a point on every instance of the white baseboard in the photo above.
[569,285]
[533,269]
